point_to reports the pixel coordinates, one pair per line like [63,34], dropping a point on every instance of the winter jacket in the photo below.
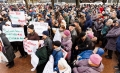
[67,43]
[118,44]
[9,53]
[82,66]
[112,36]
[43,57]
[57,55]
[33,36]
[84,45]
[85,54]
[48,44]
[88,23]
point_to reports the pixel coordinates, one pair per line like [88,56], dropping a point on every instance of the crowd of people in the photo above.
[81,29]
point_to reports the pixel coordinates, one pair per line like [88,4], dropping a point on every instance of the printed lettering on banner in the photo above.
[30,46]
[14,34]
[17,17]
[39,27]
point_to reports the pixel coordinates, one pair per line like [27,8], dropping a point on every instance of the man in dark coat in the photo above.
[84,43]
[43,58]
[47,42]
[32,35]
[8,50]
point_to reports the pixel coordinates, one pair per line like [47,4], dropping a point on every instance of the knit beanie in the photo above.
[67,32]
[95,59]
[45,33]
[100,51]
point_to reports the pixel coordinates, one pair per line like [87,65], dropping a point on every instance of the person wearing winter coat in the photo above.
[8,52]
[41,53]
[74,36]
[63,66]
[67,43]
[47,42]
[32,35]
[105,30]
[92,65]
[57,54]
[87,53]
[77,27]
[88,23]
[112,36]
[83,43]
[98,25]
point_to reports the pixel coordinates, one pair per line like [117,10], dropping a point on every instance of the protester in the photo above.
[67,43]
[83,43]
[63,66]
[43,57]
[32,35]
[8,50]
[57,54]
[86,54]
[92,65]
[47,42]
[112,36]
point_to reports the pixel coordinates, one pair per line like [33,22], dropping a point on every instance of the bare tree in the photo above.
[26,2]
[77,3]
[52,3]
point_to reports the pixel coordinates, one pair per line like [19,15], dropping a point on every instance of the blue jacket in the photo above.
[85,54]
[57,55]
[88,22]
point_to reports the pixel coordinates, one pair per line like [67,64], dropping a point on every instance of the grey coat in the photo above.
[8,48]
[82,66]
[48,44]
[112,37]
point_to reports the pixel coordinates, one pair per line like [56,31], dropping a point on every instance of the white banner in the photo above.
[30,46]
[14,34]
[39,27]
[17,17]
[49,66]
[34,61]
[57,36]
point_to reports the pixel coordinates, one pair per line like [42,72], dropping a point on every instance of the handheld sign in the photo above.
[39,27]
[14,34]
[17,17]
[30,46]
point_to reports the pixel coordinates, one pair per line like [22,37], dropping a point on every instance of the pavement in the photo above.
[22,65]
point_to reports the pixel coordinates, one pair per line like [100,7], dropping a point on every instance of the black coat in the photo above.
[8,48]
[86,45]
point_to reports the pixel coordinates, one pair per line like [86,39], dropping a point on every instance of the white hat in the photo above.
[62,62]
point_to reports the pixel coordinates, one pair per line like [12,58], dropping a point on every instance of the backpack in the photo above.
[118,44]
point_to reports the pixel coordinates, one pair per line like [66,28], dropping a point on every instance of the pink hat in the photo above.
[67,32]
[90,35]
[95,59]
